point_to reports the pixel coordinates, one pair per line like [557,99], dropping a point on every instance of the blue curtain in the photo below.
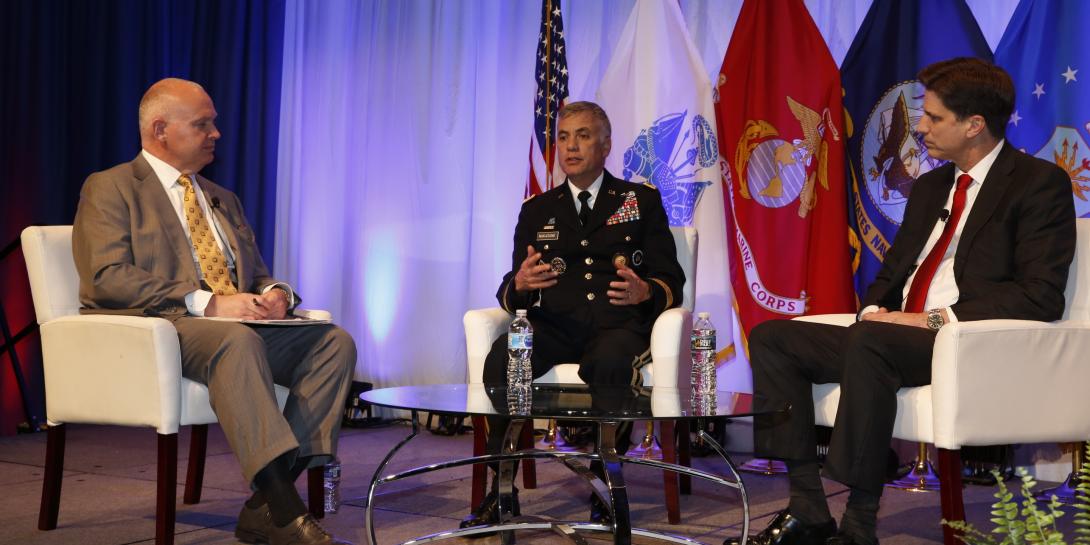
[74,72]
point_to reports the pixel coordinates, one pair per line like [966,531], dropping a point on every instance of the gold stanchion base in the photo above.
[648,449]
[1065,492]
[554,441]
[762,466]
[922,478]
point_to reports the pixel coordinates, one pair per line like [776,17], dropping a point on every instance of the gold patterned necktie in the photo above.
[213,263]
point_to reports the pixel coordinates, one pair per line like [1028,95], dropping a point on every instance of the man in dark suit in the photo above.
[991,234]
[152,237]
[594,263]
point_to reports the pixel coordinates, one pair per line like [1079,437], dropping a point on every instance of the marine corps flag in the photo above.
[781,141]
[884,102]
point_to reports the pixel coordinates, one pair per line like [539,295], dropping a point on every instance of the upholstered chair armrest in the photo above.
[483,327]
[112,370]
[1010,381]
[844,320]
[670,347]
[313,314]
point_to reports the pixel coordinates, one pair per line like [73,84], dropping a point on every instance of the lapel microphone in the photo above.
[216,204]
[943,215]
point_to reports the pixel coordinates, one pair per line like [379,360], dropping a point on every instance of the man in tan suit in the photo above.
[152,237]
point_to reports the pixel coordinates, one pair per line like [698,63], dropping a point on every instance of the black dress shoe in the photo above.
[788,530]
[599,511]
[845,539]
[488,512]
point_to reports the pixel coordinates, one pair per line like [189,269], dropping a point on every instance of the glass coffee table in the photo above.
[607,407]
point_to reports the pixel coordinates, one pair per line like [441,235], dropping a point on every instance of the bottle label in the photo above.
[520,340]
[703,342]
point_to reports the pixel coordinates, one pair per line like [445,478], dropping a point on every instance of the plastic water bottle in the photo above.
[332,486]
[520,344]
[703,352]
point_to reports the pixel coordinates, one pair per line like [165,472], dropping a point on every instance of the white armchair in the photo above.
[669,351]
[118,370]
[994,382]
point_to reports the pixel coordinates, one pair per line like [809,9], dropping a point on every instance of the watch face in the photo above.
[934,320]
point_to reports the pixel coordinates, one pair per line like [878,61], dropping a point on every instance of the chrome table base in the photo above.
[612,491]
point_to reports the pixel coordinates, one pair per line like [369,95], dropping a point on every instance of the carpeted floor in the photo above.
[109,494]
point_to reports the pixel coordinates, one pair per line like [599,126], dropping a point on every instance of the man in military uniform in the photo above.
[594,263]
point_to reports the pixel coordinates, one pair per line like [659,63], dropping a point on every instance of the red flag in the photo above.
[781,128]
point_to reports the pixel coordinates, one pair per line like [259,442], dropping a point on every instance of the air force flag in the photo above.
[1046,49]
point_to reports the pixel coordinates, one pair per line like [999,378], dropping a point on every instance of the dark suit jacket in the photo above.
[1014,252]
[550,223]
[131,250]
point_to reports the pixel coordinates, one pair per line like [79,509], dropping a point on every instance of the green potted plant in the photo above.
[1028,521]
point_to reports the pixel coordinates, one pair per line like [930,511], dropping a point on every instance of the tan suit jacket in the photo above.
[132,253]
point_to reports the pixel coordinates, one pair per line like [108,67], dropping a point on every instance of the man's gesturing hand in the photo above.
[630,290]
[533,275]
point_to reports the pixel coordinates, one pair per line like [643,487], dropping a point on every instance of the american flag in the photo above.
[552,90]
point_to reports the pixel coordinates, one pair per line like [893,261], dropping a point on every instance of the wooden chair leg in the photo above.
[529,469]
[480,471]
[166,491]
[684,455]
[316,491]
[667,439]
[953,506]
[194,475]
[51,481]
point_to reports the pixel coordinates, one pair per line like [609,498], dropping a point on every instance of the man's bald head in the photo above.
[162,96]
[177,124]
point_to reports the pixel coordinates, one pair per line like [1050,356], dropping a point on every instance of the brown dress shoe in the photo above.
[304,530]
[788,530]
[254,524]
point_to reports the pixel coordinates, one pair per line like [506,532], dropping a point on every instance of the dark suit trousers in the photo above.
[605,357]
[870,360]
[240,364]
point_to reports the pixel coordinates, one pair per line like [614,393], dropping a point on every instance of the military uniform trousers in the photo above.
[240,364]
[870,360]
[605,357]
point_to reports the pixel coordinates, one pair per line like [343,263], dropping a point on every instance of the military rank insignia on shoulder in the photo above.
[651,185]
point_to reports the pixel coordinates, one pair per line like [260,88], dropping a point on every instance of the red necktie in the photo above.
[917,294]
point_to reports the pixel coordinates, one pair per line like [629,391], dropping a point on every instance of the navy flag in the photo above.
[883,102]
[1046,49]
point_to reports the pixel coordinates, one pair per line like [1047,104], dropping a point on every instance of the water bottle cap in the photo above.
[703,315]
[520,312]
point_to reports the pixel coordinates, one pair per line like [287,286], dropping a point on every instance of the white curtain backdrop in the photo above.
[404,142]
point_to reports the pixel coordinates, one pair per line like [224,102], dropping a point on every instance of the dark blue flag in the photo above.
[884,102]
[1046,49]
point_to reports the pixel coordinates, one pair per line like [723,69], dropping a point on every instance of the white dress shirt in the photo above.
[593,189]
[943,291]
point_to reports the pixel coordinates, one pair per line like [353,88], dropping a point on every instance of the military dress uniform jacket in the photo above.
[628,220]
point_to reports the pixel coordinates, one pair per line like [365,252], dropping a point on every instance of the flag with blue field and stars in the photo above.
[1046,49]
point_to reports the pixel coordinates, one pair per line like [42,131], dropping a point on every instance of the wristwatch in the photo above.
[934,320]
